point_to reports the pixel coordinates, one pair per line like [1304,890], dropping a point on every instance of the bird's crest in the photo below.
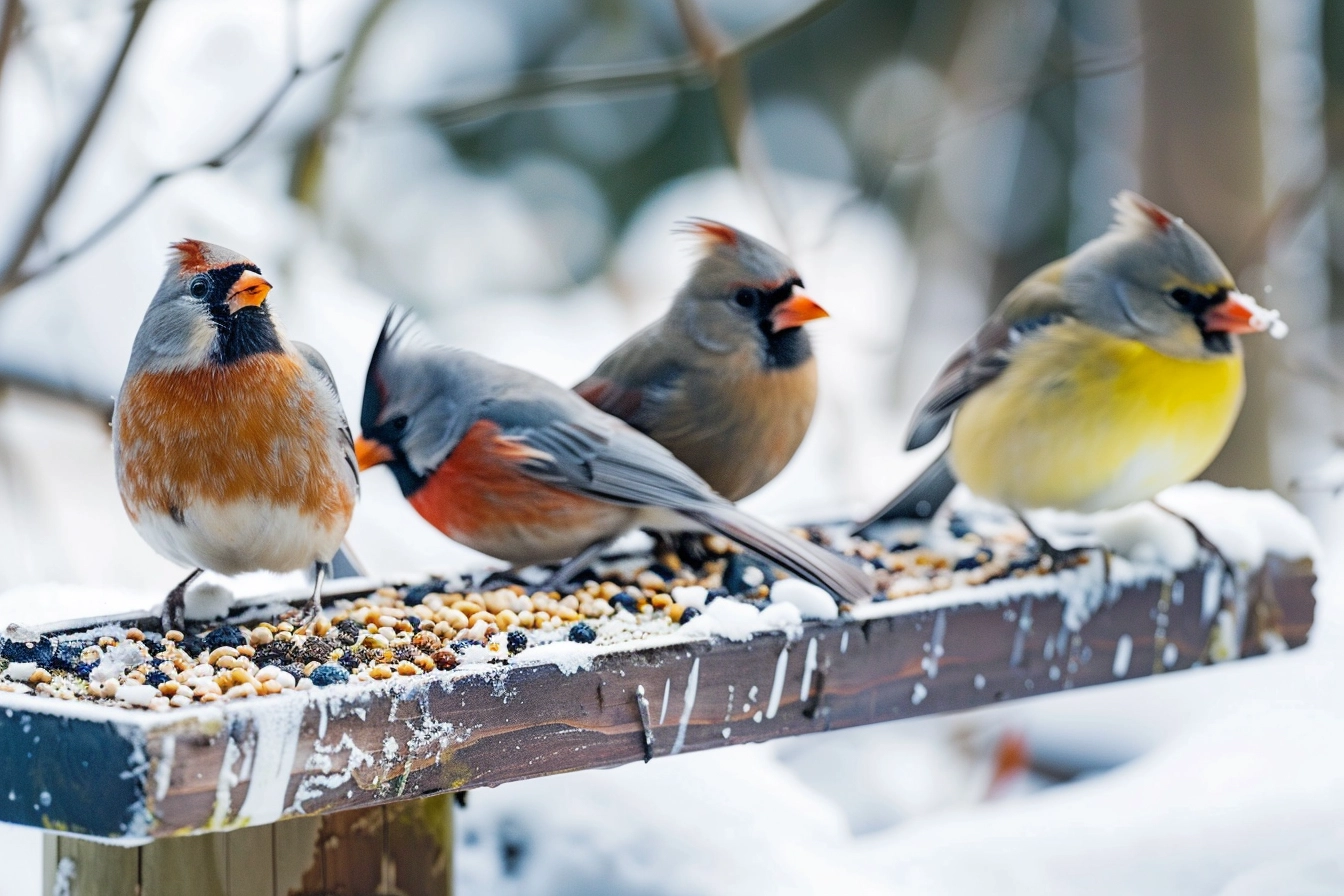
[1133,212]
[710,233]
[194,256]
[400,328]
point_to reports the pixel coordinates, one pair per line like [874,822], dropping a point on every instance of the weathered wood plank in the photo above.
[251,862]
[96,869]
[355,747]
[178,865]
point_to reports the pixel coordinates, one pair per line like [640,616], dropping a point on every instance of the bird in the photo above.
[726,380]
[1101,379]
[519,468]
[232,451]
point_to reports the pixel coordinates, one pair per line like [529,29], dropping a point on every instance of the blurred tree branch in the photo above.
[16,275]
[9,23]
[312,151]
[32,231]
[536,89]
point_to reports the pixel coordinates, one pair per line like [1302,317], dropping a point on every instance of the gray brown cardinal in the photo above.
[726,380]
[516,467]
[232,452]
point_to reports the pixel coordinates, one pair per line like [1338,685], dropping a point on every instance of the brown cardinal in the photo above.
[726,380]
[232,451]
[517,467]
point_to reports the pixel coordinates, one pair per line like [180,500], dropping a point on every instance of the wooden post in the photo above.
[400,848]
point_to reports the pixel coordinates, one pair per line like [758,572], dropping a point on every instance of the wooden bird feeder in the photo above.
[347,789]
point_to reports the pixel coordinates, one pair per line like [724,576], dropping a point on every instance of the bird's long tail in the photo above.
[919,500]
[804,559]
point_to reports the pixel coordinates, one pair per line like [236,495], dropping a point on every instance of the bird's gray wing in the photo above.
[589,453]
[319,366]
[1036,303]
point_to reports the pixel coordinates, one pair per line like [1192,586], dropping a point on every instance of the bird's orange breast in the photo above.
[250,430]
[479,496]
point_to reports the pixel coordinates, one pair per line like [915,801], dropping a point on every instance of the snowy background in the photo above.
[915,157]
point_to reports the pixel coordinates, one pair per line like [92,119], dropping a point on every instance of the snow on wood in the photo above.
[128,774]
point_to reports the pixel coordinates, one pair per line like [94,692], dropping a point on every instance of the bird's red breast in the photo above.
[480,496]
[248,430]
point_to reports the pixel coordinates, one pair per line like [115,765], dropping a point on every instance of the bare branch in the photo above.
[33,230]
[312,150]
[218,160]
[537,89]
[9,23]
[46,384]
[732,95]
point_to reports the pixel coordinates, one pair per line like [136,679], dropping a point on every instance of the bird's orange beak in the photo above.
[369,453]
[1240,313]
[795,312]
[251,289]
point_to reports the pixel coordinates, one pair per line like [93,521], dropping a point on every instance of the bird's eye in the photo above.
[745,298]
[200,286]
[398,424]
[1184,297]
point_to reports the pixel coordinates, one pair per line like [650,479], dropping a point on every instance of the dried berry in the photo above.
[347,631]
[225,636]
[39,650]
[445,658]
[625,602]
[84,670]
[517,641]
[276,653]
[582,632]
[349,660]
[155,677]
[313,650]
[414,622]
[744,575]
[688,614]
[193,646]
[663,571]
[328,674]
[417,593]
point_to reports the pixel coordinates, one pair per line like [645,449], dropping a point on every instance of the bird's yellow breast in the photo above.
[1083,420]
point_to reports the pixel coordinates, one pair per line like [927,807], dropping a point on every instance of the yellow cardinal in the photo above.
[1100,380]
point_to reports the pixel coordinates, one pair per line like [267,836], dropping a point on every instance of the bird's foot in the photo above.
[174,616]
[304,616]
[1065,558]
[1203,540]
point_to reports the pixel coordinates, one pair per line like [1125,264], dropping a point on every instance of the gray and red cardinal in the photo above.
[232,452]
[726,380]
[514,466]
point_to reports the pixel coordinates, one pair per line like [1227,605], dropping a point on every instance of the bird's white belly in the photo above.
[240,537]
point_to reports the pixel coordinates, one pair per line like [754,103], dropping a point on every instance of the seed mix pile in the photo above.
[419,629]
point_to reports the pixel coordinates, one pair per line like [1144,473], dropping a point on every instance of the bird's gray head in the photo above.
[210,309]
[744,293]
[414,396]
[1153,279]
